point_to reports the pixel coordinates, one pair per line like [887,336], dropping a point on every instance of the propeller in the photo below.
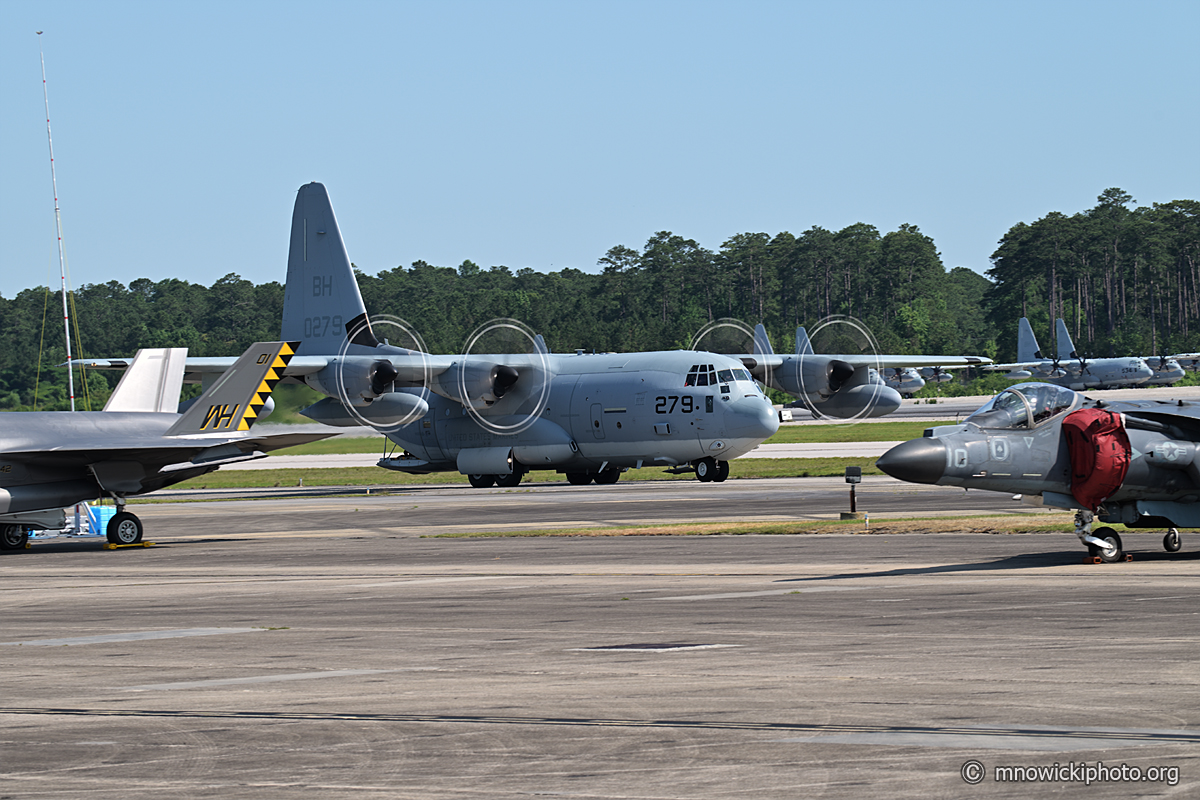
[377,404]
[841,334]
[517,376]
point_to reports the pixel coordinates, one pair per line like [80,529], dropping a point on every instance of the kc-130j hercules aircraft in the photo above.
[845,386]
[1130,462]
[1068,368]
[138,444]
[495,416]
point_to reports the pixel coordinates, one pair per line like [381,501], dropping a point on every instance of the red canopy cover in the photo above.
[1099,449]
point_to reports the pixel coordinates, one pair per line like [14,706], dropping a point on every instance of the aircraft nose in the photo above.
[752,418]
[915,461]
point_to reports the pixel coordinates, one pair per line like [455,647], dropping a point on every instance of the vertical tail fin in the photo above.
[803,345]
[152,382]
[1027,346]
[1066,348]
[321,301]
[762,342]
[234,402]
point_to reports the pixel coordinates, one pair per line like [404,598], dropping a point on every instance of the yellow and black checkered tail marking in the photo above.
[274,375]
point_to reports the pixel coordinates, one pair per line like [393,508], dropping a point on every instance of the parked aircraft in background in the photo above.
[846,386]
[905,380]
[1068,368]
[137,444]
[495,416]
[910,380]
[1130,462]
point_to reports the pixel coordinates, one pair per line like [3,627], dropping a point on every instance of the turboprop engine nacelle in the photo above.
[809,375]
[478,385]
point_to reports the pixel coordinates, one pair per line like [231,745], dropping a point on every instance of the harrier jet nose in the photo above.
[915,461]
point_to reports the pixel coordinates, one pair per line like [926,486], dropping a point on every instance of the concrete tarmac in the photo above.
[457,508]
[313,650]
[356,665]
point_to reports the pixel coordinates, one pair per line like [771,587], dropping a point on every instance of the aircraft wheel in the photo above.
[124,528]
[579,478]
[706,468]
[481,481]
[608,476]
[13,537]
[510,480]
[1114,553]
[1171,542]
[722,472]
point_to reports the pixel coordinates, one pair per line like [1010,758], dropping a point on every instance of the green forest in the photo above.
[1125,278]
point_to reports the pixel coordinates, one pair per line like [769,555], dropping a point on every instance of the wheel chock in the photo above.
[1098,560]
[111,546]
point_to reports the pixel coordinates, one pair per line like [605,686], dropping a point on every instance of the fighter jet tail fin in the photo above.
[321,302]
[152,381]
[762,342]
[235,401]
[1066,348]
[803,345]
[1027,346]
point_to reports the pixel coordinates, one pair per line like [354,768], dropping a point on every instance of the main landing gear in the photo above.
[503,481]
[13,537]
[124,528]
[1171,542]
[711,470]
[1104,544]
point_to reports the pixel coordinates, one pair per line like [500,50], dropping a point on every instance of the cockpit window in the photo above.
[701,375]
[1012,407]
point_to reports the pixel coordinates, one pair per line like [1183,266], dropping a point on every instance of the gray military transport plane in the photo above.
[846,386]
[493,417]
[1130,462]
[1070,369]
[52,459]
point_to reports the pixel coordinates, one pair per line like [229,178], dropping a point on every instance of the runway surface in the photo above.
[357,660]
[457,508]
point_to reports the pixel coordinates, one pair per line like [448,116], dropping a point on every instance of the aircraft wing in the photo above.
[893,361]
[1017,365]
[409,367]
[760,360]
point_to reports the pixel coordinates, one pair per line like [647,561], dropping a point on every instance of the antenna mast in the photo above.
[62,261]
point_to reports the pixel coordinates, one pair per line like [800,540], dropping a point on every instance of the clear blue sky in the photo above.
[541,134]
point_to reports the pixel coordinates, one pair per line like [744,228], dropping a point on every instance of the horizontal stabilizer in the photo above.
[237,398]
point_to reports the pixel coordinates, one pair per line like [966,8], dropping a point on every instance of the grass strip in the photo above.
[788,434]
[999,524]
